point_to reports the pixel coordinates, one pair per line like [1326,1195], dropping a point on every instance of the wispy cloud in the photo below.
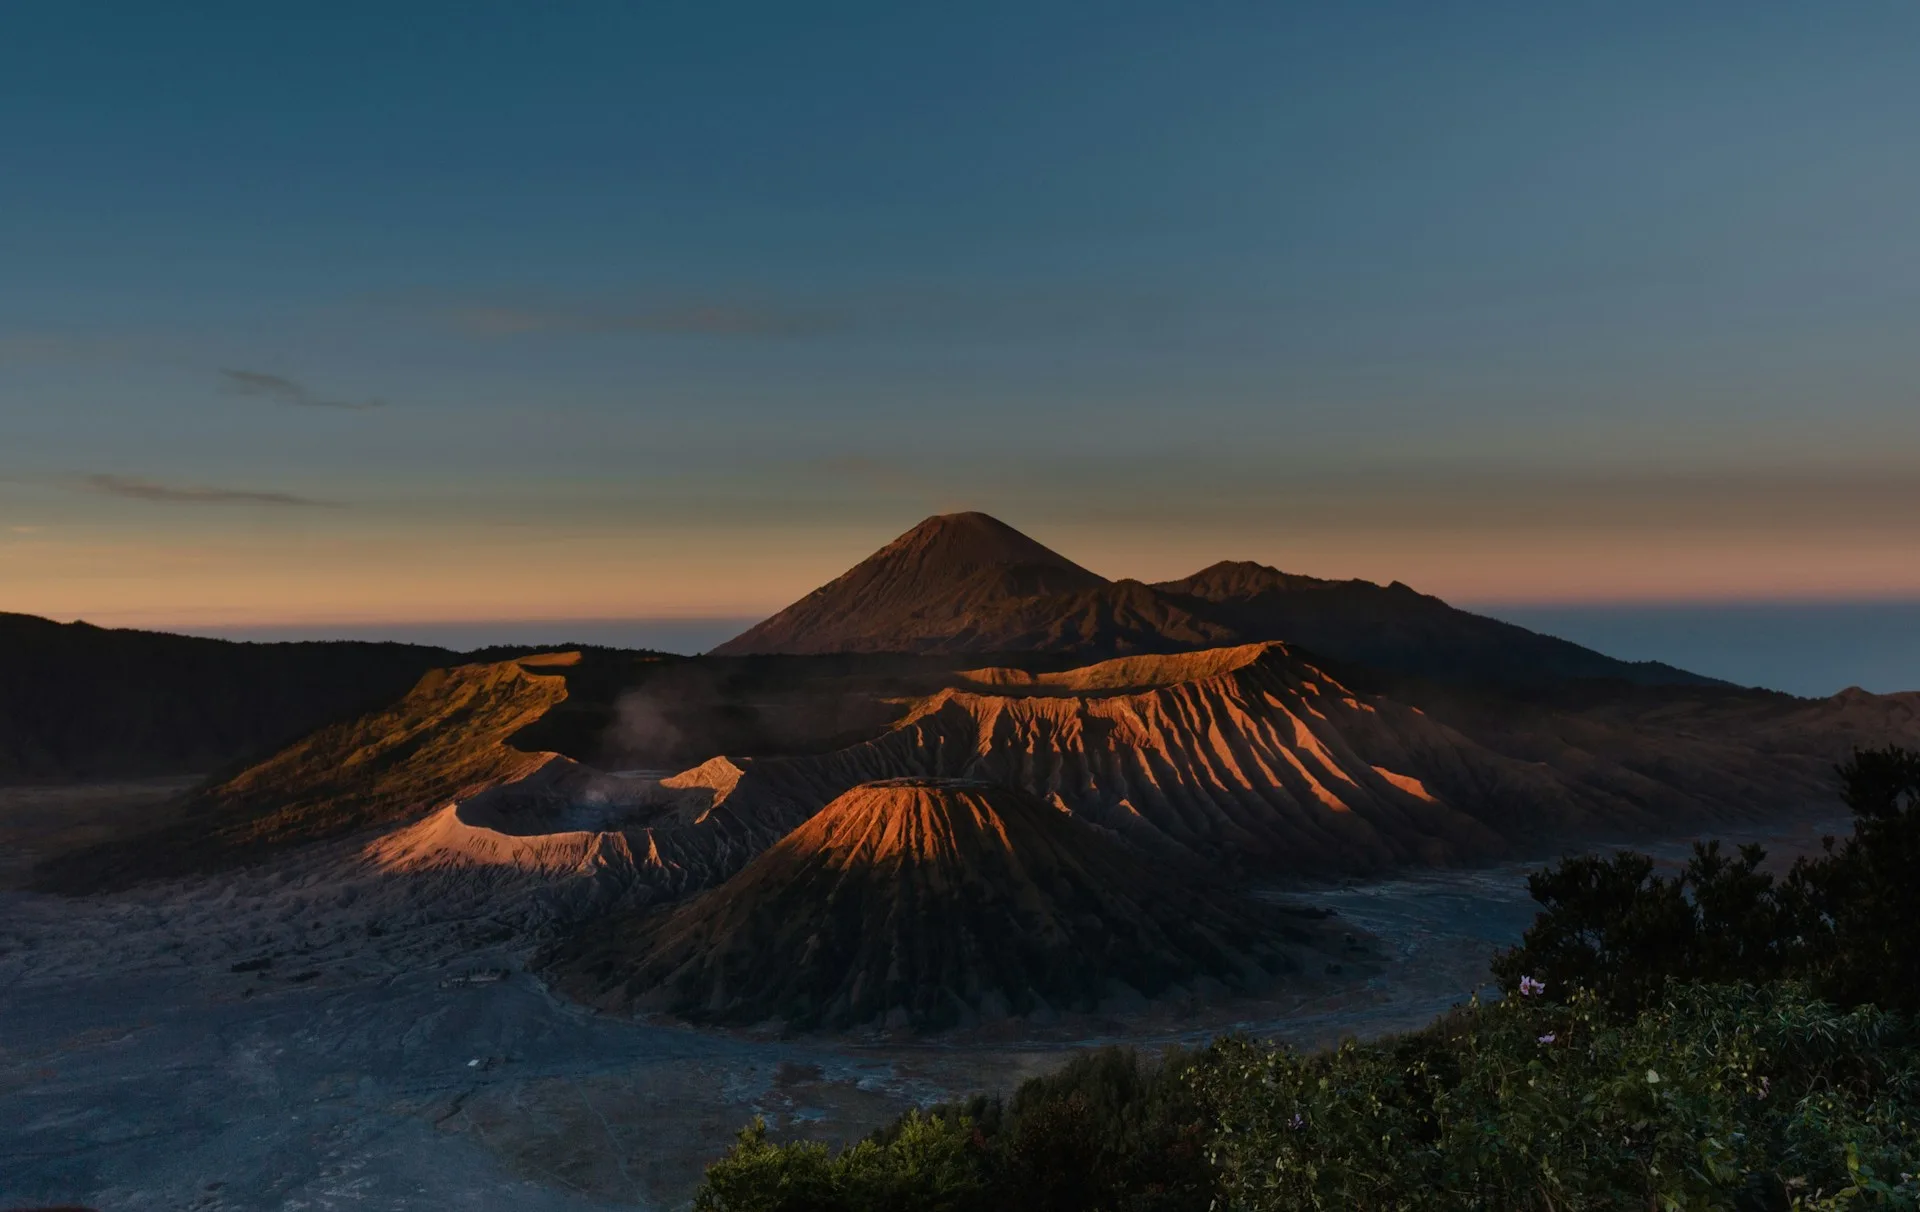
[286,391]
[744,320]
[137,489]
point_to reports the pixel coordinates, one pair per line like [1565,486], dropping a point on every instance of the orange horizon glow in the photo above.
[746,573]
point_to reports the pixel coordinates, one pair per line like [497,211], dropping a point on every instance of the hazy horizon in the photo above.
[1812,649]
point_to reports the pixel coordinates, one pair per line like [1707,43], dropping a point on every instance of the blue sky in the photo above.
[365,313]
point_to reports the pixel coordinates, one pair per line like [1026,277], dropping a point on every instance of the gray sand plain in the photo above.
[374,1062]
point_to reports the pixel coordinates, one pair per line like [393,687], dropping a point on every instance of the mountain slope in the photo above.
[78,701]
[445,739]
[925,903]
[1245,759]
[968,584]
[1396,629]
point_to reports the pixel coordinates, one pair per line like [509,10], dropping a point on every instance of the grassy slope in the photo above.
[446,738]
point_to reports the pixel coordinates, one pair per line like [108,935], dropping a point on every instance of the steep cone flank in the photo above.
[929,590]
[926,902]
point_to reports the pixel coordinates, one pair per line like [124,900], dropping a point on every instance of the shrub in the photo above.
[1847,921]
[1108,1130]
[1715,1096]
[928,1164]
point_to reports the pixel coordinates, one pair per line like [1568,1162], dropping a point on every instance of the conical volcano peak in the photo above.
[937,821]
[927,903]
[953,575]
[969,583]
[951,545]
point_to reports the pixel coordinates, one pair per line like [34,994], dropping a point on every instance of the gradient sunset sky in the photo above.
[357,313]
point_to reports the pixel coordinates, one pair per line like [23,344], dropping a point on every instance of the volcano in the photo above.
[1250,761]
[967,583]
[927,903]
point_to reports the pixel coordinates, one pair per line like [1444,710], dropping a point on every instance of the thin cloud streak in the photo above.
[286,391]
[134,488]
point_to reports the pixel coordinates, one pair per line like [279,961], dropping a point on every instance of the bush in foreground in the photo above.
[1718,1097]
[1846,922]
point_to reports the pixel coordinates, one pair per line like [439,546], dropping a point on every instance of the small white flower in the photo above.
[1653,1078]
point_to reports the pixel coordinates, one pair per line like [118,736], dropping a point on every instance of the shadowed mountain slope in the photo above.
[926,903]
[968,584]
[78,701]
[1219,763]
[1397,629]
[445,739]
[1248,759]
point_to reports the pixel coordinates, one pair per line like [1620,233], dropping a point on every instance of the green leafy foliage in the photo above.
[1864,896]
[925,1164]
[1754,1098]
[1711,1099]
[1108,1131]
[1847,921]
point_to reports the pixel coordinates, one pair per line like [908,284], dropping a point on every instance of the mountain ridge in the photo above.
[970,584]
[80,701]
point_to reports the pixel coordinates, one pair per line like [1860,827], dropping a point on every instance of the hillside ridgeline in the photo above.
[968,583]
[446,739]
[85,702]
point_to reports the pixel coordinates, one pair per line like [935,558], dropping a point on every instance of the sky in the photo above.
[355,316]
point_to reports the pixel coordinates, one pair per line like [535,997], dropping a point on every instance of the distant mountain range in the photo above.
[968,583]
[78,701]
